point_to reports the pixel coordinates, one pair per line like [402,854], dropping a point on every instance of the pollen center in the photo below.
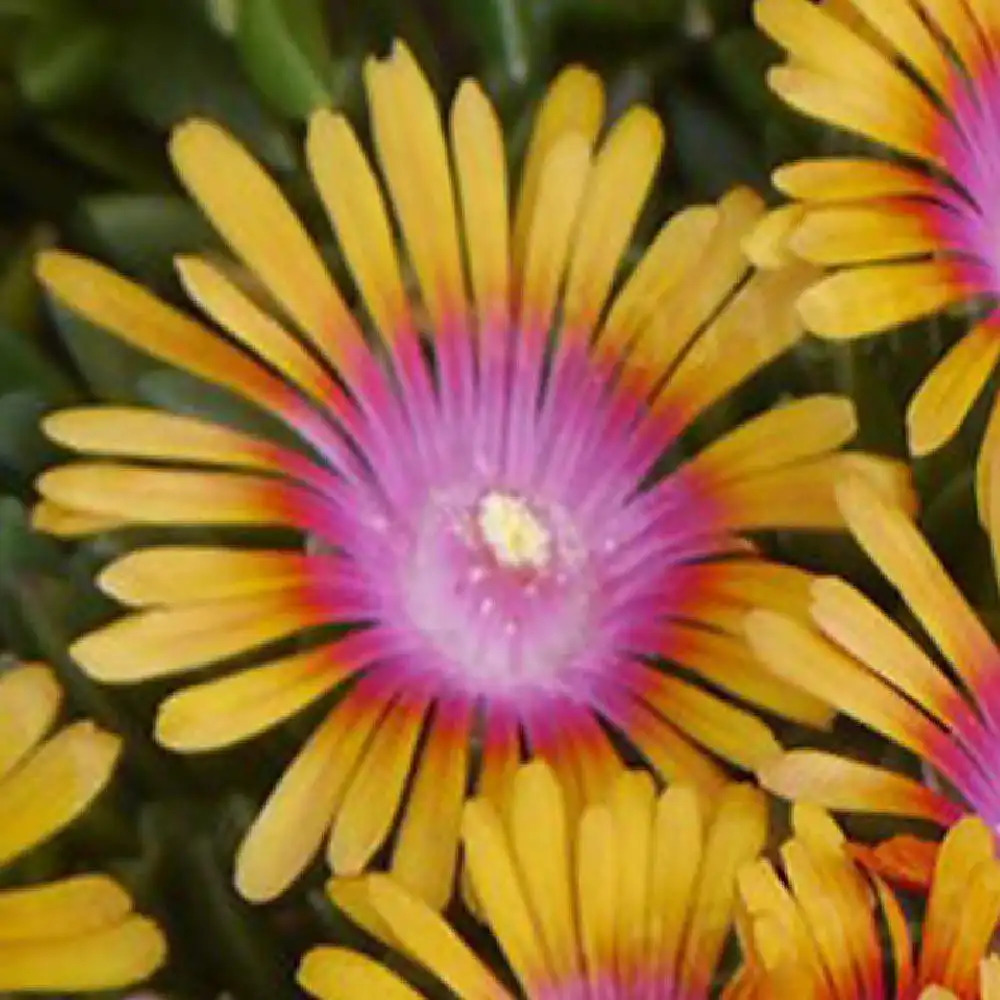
[513,532]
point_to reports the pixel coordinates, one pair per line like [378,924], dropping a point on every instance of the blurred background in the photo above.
[88,92]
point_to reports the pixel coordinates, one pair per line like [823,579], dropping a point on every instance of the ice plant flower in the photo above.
[633,899]
[487,484]
[79,933]
[910,227]
[859,660]
[828,932]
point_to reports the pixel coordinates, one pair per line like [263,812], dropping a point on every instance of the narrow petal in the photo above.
[426,850]
[72,907]
[573,105]
[901,552]
[481,171]
[224,179]
[297,815]
[54,785]
[428,939]
[64,522]
[107,959]
[871,299]
[29,701]
[354,203]
[143,321]
[597,894]
[622,174]
[858,234]
[406,125]
[372,797]
[851,786]
[341,974]
[946,395]
[132,432]
[767,244]
[846,179]
[157,642]
[229,710]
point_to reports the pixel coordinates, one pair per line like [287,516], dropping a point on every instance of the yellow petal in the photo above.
[497,886]
[29,701]
[406,125]
[561,184]
[142,495]
[857,234]
[736,836]
[143,321]
[107,959]
[851,786]
[74,906]
[246,322]
[541,841]
[54,785]
[767,244]
[846,179]
[428,939]
[139,433]
[481,171]
[616,190]
[157,642]
[573,105]
[354,203]
[297,815]
[426,850]
[372,797]
[340,974]
[225,711]
[946,395]
[252,216]
[186,574]
[64,522]
[903,555]
[870,299]
[788,433]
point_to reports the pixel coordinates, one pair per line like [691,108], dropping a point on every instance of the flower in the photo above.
[911,229]
[829,932]
[859,660]
[78,933]
[488,485]
[633,899]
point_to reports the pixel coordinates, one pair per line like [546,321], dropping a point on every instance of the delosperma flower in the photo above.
[827,932]
[911,226]
[860,661]
[488,493]
[632,900]
[78,933]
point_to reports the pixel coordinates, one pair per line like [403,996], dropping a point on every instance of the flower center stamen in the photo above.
[513,532]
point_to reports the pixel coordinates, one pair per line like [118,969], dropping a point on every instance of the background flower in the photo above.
[633,898]
[910,228]
[78,933]
[864,663]
[827,931]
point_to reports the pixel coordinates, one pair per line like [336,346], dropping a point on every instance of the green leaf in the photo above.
[63,59]
[24,449]
[26,364]
[170,69]
[284,49]
[141,233]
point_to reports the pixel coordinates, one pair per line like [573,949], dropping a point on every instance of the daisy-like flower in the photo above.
[911,231]
[827,932]
[859,660]
[484,479]
[79,933]
[632,900]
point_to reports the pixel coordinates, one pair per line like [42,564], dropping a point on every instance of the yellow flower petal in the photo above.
[29,701]
[340,974]
[53,785]
[72,907]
